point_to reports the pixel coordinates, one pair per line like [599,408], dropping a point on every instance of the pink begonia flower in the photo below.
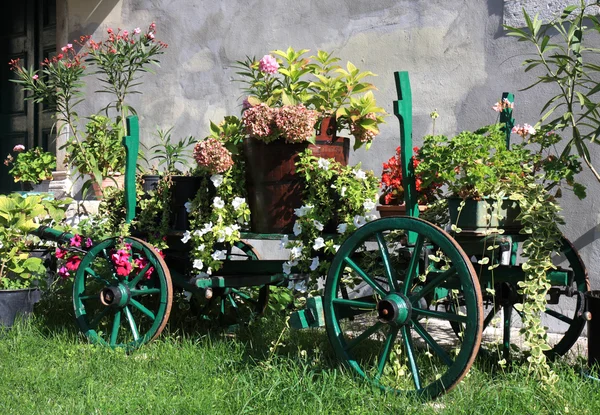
[18,148]
[137,31]
[35,77]
[268,64]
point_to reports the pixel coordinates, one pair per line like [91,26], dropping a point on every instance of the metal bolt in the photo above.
[587,316]
[208,293]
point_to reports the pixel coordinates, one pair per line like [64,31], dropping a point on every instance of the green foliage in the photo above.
[173,158]
[230,131]
[154,213]
[567,58]
[33,165]
[19,215]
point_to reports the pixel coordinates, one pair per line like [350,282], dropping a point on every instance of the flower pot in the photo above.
[274,189]
[150,182]
[183,189]
[472,217]
[16,302]
[116,180]
[395,210]
[592,299]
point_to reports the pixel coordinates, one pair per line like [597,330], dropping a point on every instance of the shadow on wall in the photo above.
[85,16]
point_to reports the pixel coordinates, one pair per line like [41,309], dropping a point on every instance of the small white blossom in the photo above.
[370,218]
[219,255]
[300,286]
[186,237]
[218,203]
[323,163]
[319,243]
[369,205]
[315,263]
[284,241]
[333,186]
[342,227]
[301,211]
[297,228]
[1,245]
[359,221]
[360,174]
[188,207]
[198,264]
[216,179]
[318,225]
[296,252]
[343,192]
[209,271]
[207,228]
[336,247]
[238,202]
[287,267]
[201,247]
[228,231]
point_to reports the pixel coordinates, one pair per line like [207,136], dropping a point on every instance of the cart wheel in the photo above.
[384,310]
[562,314]
[233,305]
[122,311]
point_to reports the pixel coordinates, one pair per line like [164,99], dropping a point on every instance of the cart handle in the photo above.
[132,146]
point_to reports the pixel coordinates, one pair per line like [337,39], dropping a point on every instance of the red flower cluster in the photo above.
[391,182]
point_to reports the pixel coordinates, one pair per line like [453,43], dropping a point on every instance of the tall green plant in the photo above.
[566,60]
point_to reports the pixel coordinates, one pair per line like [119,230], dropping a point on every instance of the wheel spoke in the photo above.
[413,265]
[143,309]
[411,357]
[433,284]
[135,292]
[431,342]
[365,277]
[89,297]
[385,256]
[559,316]
[506,340]
[354,303]
[387,349]
[97,319]
[139,276]
[115,328]
[364,335]
[489,317]
[134,330]
[441,315]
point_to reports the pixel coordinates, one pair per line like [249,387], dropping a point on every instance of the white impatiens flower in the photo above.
[238,202]
[343,192]
[301,211]
[188,207]
[319,243]
[369,205]
[359,221]
[318,225]
[360,174]
[342,227]
[284,241]
[216,179]
[323,163]
[219,255]
[297,228]
[296,252]
[218,203]
[314,264]
[198,264]
[186,237]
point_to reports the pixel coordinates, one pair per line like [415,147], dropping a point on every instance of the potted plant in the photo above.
[31,167]
[296,102]
[22,273]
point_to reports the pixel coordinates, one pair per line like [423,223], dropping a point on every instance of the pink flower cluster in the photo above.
[268,64]
[212,155]
[18,148]
[502,105]
[121,260]
[524,130]
[361,133]
[295,123]
[70,263]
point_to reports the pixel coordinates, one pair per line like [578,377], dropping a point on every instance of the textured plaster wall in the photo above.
[458,56]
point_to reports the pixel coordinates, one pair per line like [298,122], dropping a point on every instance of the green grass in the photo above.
[50,369]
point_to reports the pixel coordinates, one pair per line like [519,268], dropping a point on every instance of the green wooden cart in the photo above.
[402,306]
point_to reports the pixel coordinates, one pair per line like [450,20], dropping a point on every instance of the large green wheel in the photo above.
[122,310]
[234,305]
[562,316]
[386,309]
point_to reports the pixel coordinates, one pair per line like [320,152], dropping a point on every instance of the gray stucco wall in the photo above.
[458,56]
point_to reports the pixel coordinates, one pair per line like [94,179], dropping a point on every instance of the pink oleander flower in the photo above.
[35,77]
[258,120]
[137,31]
[502,105]
[362,134]
[524,130]
[212,155]
[18,148]
[268,64]
[76,241]
[125,33]
[296,122]
[150,36]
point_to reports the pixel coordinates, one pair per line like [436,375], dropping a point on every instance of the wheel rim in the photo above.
[233,305]
[395,339]
[122,311]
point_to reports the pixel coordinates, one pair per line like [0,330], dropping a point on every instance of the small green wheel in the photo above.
[386,306]
[235,304]
[122,310]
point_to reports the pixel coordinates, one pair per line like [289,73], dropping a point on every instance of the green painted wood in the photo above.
[506,117]
[132,146]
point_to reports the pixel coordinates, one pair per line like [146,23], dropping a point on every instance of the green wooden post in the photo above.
[506,117]
[132,146]
[403,110]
